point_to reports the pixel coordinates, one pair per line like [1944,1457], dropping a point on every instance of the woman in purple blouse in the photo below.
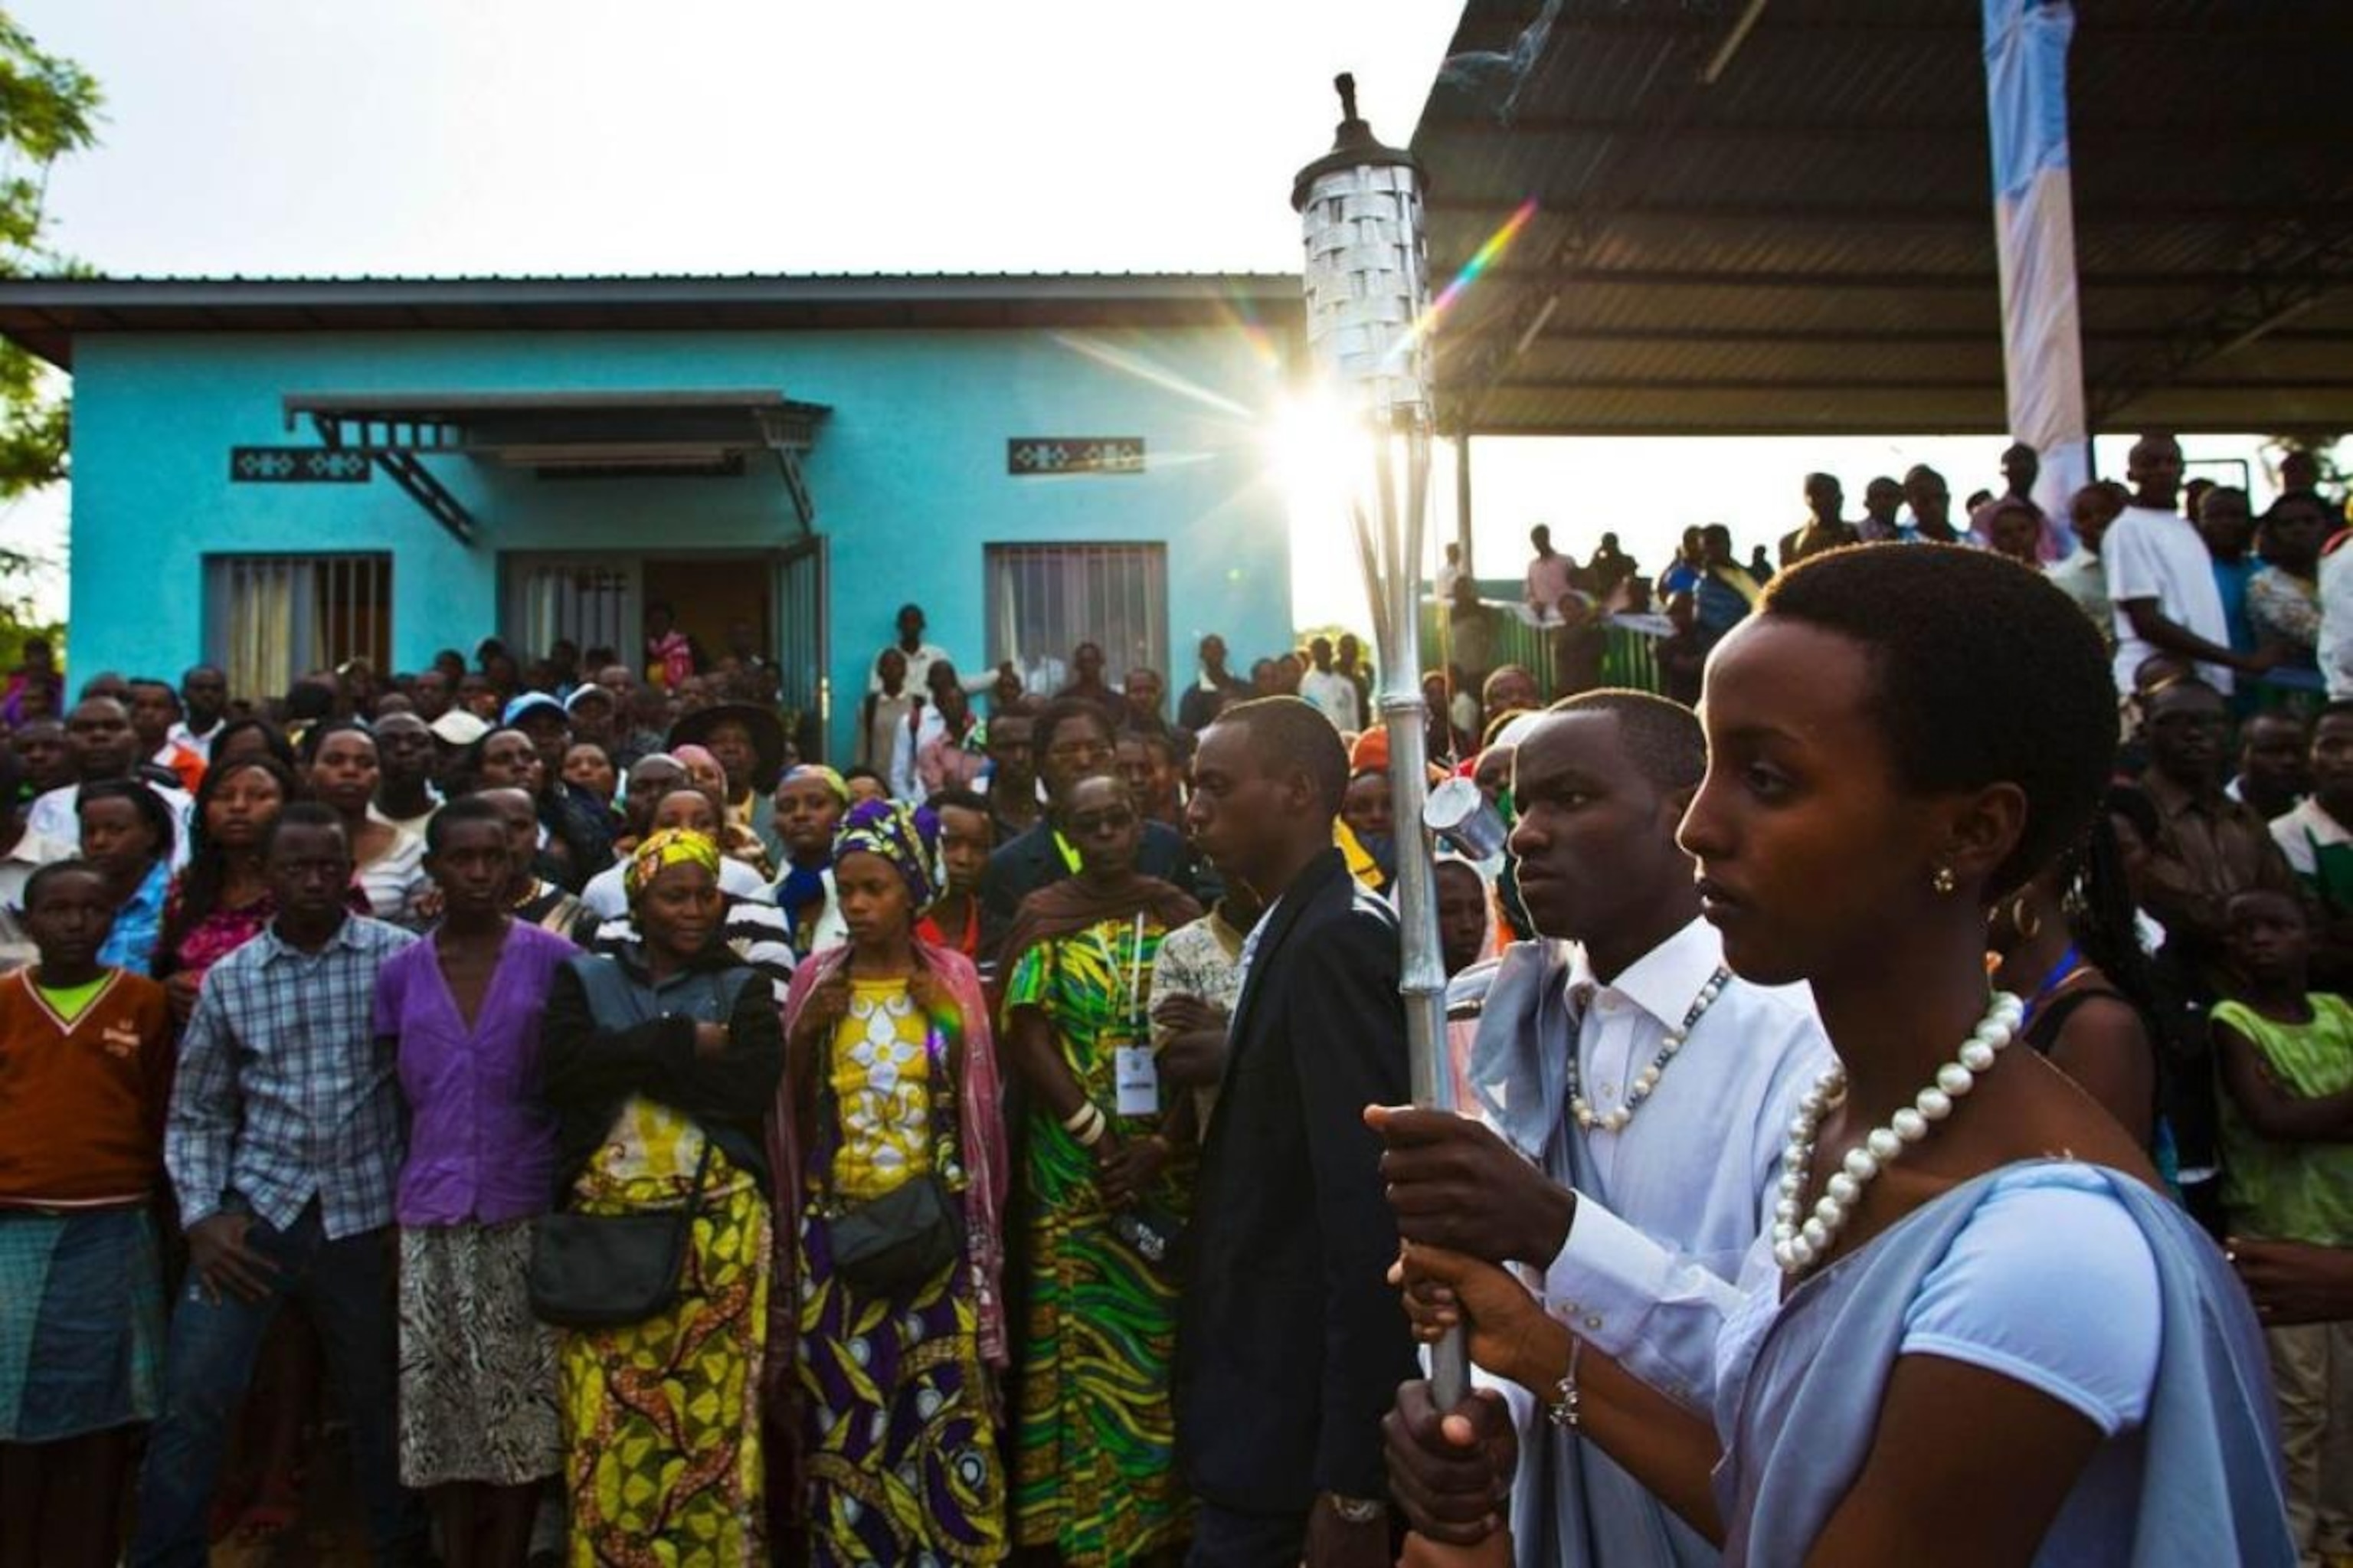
[480,1426]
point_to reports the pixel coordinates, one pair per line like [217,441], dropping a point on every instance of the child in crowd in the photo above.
[2285,1056]
[85,1075]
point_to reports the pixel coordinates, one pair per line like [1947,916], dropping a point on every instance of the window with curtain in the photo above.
[270,620]
[1046,599]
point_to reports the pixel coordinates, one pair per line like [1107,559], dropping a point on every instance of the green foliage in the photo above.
[48,108]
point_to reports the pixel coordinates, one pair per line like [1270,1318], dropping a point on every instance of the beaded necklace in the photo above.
[1648,1078]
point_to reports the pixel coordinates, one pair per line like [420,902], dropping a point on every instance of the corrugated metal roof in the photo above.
[1807,243]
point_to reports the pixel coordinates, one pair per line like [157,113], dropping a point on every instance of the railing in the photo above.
[1628,659]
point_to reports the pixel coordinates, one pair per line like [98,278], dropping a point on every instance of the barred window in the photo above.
[271,619]
[1046,599]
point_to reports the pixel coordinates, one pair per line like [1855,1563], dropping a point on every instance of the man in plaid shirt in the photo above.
[283,1143]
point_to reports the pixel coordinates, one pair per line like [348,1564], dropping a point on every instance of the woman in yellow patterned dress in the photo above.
[1094,1465]
[892,1083]
[661,1064]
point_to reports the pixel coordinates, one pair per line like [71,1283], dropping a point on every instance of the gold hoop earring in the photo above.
[2021,910]
[1943,881]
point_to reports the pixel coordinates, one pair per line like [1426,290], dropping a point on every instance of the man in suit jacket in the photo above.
[1293,1344]
[1071,740]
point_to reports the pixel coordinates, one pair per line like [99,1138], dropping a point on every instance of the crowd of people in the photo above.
[674,1151]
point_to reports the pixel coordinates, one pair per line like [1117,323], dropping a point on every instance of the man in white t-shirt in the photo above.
[1332,694]
[2162,579]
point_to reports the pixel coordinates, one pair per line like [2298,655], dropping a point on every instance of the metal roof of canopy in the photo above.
[578,432]
[1772,217]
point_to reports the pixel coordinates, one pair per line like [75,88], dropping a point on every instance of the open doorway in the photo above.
[724,602]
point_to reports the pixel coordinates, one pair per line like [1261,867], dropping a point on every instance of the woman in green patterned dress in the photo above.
[1105,1181]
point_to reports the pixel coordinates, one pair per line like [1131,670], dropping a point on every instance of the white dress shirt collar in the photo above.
[1664,981]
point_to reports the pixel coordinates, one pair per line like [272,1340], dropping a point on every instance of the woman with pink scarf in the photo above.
[890,1163]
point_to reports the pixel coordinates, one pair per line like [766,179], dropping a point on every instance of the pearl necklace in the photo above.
[1648,1078]
[1801,1239]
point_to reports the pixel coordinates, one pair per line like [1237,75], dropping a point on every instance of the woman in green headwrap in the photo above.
[661,1063]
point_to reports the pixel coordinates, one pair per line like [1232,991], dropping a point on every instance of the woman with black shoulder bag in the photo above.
[891,1174]
[661,1063]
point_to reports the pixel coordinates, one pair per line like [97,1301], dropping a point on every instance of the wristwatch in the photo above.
[1358,1511]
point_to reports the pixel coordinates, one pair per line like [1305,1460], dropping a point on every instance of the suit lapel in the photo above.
[1282,922]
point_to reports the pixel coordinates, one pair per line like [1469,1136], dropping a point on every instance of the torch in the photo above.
[1360,211]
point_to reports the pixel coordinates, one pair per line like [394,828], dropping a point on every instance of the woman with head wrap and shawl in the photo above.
[1094,1471]
[661,1063]
[892,1080]
[810,801]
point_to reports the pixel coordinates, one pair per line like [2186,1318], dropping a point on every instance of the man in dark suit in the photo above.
[1292,1341]
[1069,740]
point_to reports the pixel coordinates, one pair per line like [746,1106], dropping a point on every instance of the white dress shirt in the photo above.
[1651,1262]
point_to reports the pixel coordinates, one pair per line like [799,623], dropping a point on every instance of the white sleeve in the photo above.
[901,770]
[1648,1306]
[2050,1284]
[2130,560]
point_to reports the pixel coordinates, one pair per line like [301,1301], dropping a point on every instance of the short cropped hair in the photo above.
[1287,731]
[50,872]
[465,809]
[304,814]
[1983,673]
[1662,737]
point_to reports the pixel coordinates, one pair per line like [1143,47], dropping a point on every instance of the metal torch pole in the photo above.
[1422,971]
[1366,298]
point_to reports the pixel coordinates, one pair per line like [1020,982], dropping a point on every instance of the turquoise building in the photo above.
[276,475]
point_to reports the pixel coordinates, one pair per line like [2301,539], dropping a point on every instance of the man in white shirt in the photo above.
[920,656]
[204,700]
[104,745]
[1639,1097]
[2161,579]
[1332,694]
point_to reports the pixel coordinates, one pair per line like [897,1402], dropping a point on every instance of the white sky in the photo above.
[443,136]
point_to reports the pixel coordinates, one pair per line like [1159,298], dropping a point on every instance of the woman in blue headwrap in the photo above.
[889,1165]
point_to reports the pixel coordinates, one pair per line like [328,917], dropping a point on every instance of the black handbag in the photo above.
[897,1241]
[885,1246]
[607,1271]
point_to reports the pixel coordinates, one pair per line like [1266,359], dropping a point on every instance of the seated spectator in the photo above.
[2273,774]
[2287,1061]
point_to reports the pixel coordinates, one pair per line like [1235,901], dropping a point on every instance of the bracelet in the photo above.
[1562,1410]
[1078,1119]
[1095,1125]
